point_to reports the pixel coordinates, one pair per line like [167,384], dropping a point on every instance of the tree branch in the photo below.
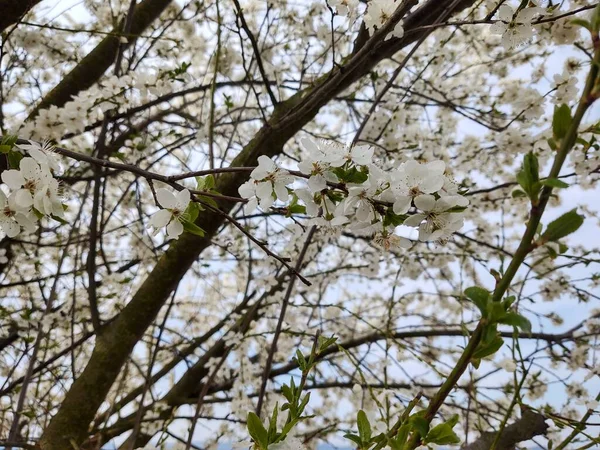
[530,425]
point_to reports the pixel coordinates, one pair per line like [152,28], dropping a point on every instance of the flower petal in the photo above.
[13,179]
[166,199]
[174,229]
[183,199]
[281,191]
[415,220]
[425,202]
[317,183]
[505,13]
[402,204]
[160,218]
[10,228]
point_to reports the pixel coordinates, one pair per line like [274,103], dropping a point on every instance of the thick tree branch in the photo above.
[13,11]
[530,425]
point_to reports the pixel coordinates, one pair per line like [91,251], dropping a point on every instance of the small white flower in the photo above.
[42,153]
[291,443]
[173,214]
[27,181]
[337,155]
[315,164]
[390,241]
[47,199]
[378,13]
[515,29]
[359,199]
[344,7]
[413,179]
[507,364]
[592,404]
[13,217]
[266,178]
[3,257]
[438,224]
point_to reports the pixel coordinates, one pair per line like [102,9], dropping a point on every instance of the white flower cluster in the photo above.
[378,13]
[515,28]
[344,7]
[32,192]
[344,187]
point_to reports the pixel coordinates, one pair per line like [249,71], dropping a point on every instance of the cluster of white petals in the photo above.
[344,7]
[344,187]
[31,192]
[378,13]
[267,183]
[515,27]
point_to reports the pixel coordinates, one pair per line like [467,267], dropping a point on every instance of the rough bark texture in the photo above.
[115,343]
[92,67]
[11,11]
[530,425]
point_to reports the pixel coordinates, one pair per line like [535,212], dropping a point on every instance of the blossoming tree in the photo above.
[285,224]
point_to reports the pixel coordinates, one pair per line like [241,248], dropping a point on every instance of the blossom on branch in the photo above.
[173,213]
[515,29]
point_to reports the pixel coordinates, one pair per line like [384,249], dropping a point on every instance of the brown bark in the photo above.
[530,425]
[13,10]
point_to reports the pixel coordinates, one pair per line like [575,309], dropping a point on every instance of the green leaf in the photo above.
[354,438]
[442,434]
[496,310]
[59,219]
[516,320]
[209,182]
[508,301]
[297,209]
[528,177]
[561,122]
[208,201]
[563,226]
[301,360]
[14,159]
[518,193]
[9,140]
[480,297]
[487,349]
[37,213]
[271,434]
[352,175]
[193,228]
[5,148]
[325,342]
[287,393]
[489,333]
[392,218]
[452,421]
[419,424]
[192,211]
[303,404]
[555,183]
[582,23]
[257,431]
[364,427]
[402,435]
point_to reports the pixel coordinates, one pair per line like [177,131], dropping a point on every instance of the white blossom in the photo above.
[173,213]
[515,29]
